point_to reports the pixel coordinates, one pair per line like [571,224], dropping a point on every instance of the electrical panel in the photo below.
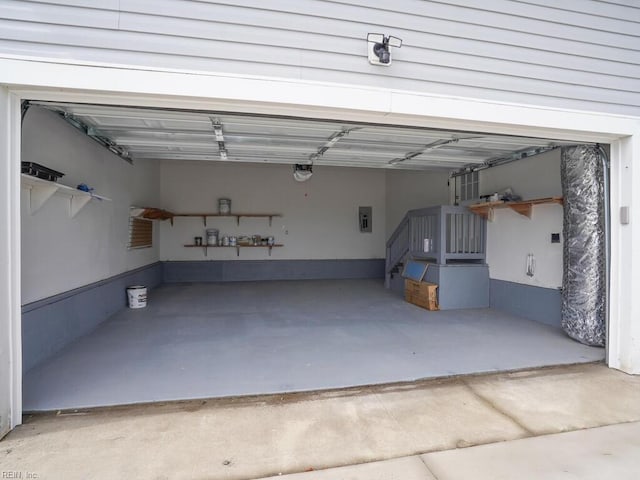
[364,219]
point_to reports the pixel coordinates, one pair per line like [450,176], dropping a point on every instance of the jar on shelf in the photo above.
[224,206]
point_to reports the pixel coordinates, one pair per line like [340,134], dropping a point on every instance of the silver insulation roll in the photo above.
[584,274]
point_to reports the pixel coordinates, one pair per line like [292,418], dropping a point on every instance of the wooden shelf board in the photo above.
[231,215]
[237,216]
[524,207]
[235,246]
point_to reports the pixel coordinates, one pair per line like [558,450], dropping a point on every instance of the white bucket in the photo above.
[137,295]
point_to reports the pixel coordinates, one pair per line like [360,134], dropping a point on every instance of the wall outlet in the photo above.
[555,238]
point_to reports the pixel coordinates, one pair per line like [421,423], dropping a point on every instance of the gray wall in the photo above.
[60,252]
[407,190]
[543,305]
[460,286]
[582,54]
[249,270]
[50,324]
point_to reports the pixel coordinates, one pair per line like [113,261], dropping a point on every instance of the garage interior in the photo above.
[320,305]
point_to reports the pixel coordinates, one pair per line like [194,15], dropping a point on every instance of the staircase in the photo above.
[443,234]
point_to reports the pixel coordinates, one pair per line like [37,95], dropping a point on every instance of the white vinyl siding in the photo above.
[577,54]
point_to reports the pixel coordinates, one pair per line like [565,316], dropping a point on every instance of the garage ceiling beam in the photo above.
[331,141]
[427,148]
[217,130]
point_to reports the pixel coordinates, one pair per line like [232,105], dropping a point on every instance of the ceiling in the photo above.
[145,133]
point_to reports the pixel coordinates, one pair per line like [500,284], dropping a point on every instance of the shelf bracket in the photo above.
[238,220]
[270,221]
[522,209]
[206,250]
[237,251]
[77,203]
[38,196]
[270,248]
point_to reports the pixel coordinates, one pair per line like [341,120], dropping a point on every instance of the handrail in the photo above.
[396,232]
[441,234]
[397,247]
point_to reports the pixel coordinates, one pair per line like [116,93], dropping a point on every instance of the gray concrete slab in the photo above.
[406,468]
[557,401]
[244,338]
[253,437]
[423,414]
[249,437]
[611,452]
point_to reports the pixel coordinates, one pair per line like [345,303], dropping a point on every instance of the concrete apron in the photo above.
[251,437]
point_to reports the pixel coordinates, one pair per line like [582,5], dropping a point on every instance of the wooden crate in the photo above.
[422,294]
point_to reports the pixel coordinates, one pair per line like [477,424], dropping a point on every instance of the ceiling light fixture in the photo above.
[302,173]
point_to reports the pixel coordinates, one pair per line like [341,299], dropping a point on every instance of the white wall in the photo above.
[511,236]
[408,190]
[60,253]
[320,216]
[534,177]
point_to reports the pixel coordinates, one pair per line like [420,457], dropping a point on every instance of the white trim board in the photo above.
[46,80]
[242,93]
[10,316]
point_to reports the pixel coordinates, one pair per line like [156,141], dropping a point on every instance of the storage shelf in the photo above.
[525,207]
[42,190]
[237,247]
[237,216]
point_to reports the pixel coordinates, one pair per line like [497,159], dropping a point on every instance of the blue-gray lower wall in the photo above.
[248,270]
[50,324]
[460,286]
[535,303]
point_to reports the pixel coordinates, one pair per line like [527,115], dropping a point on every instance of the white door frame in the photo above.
[10,324]
[114,84]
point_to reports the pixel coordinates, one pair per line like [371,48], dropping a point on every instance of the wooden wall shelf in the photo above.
[237,216]
[525,207]
[237,247]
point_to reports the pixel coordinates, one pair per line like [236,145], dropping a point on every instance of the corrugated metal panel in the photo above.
[581,54]
[141,133]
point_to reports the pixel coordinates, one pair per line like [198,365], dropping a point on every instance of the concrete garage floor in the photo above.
[527,413]
[217,340]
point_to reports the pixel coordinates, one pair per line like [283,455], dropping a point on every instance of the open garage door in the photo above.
[211,329]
